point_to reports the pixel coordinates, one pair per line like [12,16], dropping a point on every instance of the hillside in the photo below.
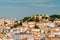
[38,18]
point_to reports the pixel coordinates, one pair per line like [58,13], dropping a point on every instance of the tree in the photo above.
[5,23]
[20,23]
[42,17]
[55,16]
[14,26]
[36,27]
[31,19]
[25,19]
[46,17]
[51,19]
[37,19]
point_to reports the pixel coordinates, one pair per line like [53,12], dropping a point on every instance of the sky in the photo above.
[23,8]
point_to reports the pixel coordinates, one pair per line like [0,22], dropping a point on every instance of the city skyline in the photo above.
[22,8]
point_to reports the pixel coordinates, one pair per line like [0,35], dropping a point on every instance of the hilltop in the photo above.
[38,18]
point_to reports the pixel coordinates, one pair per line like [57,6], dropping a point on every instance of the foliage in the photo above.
[14,26]
[20,23]
[53,17]
[36,27]
[32,19]
[5,22]
[37,19]
[25,19]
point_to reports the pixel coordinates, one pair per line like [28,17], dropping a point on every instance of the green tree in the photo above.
[37,19]
[36,27]
[20,24]
[55,16]
[31,19]
[25,19]
[5,23]
[51,19]
[14,26]
[46,17]
[42,17]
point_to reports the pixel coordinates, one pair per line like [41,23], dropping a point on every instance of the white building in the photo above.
[31,24]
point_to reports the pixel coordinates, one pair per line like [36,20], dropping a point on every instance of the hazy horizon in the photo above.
[22,8]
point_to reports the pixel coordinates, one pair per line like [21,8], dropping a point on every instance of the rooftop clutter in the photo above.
[36,27]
